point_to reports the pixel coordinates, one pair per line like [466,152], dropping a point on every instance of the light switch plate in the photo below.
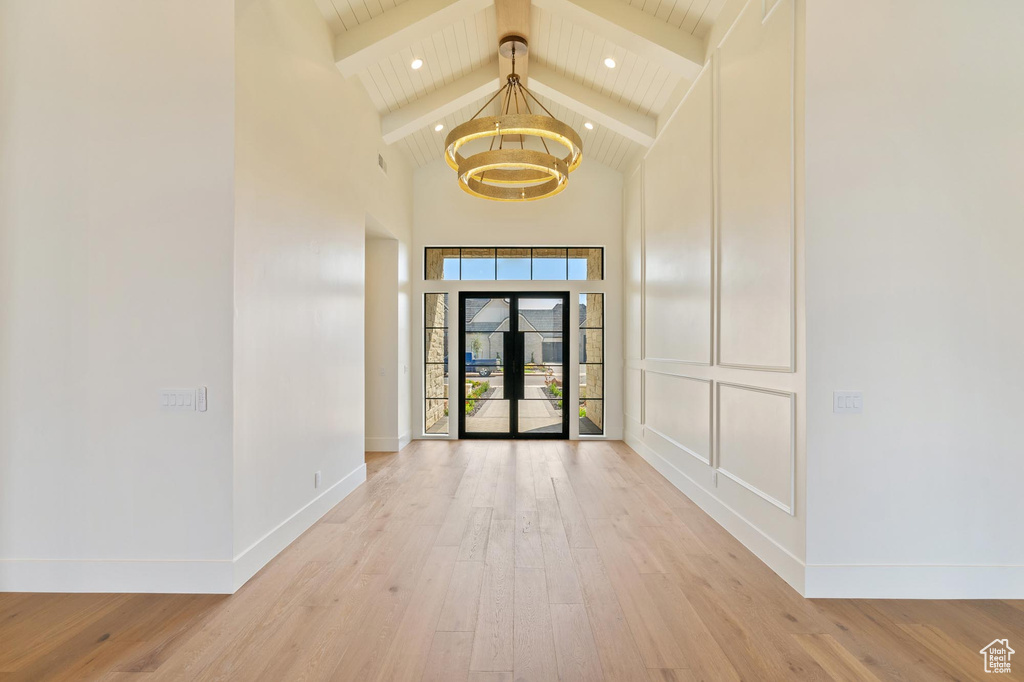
[178,399]
[848,402]
[201,399]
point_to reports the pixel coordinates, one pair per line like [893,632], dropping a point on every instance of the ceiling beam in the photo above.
[635,31]
[613,115]
[513,18]
[430,108]
[384,35]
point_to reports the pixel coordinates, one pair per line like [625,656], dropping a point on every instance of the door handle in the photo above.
[508,379]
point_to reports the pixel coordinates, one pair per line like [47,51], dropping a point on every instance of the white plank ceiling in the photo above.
[447,55]
[692,16]
[342,15]
[579,54]
[469,43]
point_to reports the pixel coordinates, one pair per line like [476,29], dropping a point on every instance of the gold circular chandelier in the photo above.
[507,170]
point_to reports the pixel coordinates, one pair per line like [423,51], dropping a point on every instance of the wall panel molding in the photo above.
[769,439]
[691,449]
[634,412]
[679,234]
[633,265]
[755,278]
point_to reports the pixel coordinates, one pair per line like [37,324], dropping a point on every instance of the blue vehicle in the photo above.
[482,366]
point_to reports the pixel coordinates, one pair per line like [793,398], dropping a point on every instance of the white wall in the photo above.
[307,178]
[587,213]
[183,202]
[387,345]
[116,183]
[715,373]
[915,157]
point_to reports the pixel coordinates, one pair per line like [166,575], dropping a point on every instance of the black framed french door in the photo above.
[513,365]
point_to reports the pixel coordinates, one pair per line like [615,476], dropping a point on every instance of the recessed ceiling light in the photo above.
[588,125]
[439,127]
[609,62]
[416,63]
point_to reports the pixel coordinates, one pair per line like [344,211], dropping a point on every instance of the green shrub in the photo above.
[477,389]
[583,411]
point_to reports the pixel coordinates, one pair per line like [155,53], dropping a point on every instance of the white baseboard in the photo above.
[790,568]
[170,576]
[387,444]
[259,554]
[831,581]
[73,575]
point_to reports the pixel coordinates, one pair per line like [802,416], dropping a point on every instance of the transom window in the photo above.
[514,263]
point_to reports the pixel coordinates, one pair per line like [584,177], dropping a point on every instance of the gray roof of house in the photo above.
[547,321]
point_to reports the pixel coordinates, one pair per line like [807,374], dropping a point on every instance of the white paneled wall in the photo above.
[714,380]
[754,79]
[633,266]
[756,441]
[679,410]
[678,226]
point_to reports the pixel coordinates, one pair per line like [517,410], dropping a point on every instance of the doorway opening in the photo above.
[513,365]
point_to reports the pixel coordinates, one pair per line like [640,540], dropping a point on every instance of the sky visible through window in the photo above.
[484,264]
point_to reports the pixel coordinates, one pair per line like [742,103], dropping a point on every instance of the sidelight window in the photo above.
[591,393]
[435,363]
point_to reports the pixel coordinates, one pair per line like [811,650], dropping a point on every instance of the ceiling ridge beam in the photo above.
[371,41]
[601,110]
[634,30]
[436,105]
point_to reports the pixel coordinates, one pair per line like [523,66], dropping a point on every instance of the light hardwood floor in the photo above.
[494,561]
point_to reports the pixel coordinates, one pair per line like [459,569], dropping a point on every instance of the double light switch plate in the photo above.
[848,402]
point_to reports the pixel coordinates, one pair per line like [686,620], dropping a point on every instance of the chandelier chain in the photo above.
[530,110]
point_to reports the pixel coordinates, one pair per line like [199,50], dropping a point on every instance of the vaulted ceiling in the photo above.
[658,47]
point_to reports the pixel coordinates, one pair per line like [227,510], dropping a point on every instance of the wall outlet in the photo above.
[316,480]
[848,402]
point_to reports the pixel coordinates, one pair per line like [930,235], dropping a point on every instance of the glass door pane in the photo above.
[485,334]
[541,404]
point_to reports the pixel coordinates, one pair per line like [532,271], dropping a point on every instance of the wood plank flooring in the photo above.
[496,560]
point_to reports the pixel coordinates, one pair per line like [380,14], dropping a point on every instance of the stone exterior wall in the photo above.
[594,258]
